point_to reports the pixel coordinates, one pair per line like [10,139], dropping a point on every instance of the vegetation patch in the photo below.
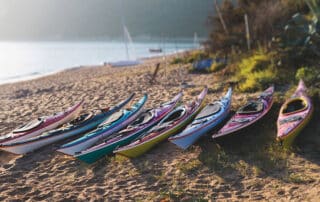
[310,75]
[256,72]
[216,67]
[191,57]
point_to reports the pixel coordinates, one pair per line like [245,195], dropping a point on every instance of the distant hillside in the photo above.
[100,19]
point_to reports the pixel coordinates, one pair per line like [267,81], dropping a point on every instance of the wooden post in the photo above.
[221,17]
[156,70]
[247,31]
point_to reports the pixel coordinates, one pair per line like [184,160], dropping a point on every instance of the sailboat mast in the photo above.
[124,29]
[125,41]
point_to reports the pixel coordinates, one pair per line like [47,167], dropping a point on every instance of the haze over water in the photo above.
[22,60]
[90,32]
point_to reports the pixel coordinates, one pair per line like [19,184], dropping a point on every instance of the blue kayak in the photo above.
[210,116]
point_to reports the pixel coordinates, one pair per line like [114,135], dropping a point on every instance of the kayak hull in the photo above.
[192,136]
[141,149]
[154,137]
[49,124]
[90,139]
[242,120]
[93,154]
[32,144]
[289,139]
[201,126]
[291,123]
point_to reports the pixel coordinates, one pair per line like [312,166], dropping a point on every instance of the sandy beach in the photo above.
[210,170]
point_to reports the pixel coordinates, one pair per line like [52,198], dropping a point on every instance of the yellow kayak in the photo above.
[173,123]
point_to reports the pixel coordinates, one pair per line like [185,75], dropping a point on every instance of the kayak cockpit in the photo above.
[252,107]
[113,118]
[294,106]
[82,118]
[145,117]
[209,110]
[29,126]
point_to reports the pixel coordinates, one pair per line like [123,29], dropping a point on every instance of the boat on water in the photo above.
[155,50]
[129,61]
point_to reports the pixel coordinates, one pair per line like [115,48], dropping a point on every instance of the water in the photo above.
[24,60]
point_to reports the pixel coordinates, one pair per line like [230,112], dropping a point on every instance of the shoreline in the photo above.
[37,75]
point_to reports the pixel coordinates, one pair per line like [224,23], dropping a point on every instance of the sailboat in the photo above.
[128,42]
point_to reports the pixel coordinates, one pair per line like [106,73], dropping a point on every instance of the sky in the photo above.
[101,19]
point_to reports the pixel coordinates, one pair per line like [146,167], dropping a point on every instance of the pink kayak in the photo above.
[42,124]
[294,115]
[248,114]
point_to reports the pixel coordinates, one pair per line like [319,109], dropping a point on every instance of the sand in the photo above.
[163,174]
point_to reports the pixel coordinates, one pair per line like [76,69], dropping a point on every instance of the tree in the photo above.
[266,20]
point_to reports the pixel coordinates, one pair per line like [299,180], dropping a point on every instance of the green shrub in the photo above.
[216,67]
[190,57]
[256,72]
[309,74]
[177,60]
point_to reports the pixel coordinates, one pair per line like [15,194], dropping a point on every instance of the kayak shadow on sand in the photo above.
[19,165]
[43,157]
[252,151]
[307,144]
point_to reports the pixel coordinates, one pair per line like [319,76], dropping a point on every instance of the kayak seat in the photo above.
[295,105]
[209,110]
[145,117]
[174,116]
[252,107]
[82,118]
[116,116]
[29,126]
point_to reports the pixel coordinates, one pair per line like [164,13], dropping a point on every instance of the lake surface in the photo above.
[23,60]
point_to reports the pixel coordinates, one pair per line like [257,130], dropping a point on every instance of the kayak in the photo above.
[41,125]
[294,115]
[174,122]
[248,114]
[113,124]
[144,122]
[209,117]
[82,124]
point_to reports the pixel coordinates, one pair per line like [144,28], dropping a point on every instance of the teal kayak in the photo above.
[144,122]
[113,124]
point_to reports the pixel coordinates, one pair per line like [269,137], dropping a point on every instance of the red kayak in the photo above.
[42,124]
[250,113]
